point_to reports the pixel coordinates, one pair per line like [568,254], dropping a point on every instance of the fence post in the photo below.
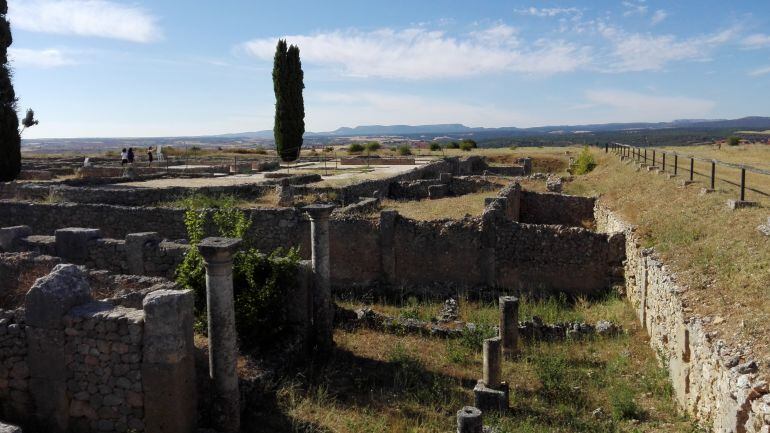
[664,162]
[692,168]
[743,183]
[713,173]
[676,163]
[645,155]
[606,147]
[653,156]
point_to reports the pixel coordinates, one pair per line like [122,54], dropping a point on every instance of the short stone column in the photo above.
[135,245]
[469,420]
[322,299]
[509,325]
[492,355]
[72,242]
[9,236]
[223,351]
[490,393]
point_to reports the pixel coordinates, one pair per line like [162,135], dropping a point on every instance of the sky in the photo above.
[142,68]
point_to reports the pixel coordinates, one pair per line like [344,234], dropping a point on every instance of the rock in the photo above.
[449,312]
[747,367]
[598,413]
[554,184]
[168,313]
[604,327]
[718,320]
[53,295]
[8,428]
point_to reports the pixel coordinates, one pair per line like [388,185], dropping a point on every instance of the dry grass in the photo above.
[443,208]
[388,383]
[718,253]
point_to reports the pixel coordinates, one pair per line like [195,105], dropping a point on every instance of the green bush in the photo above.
[355,148]
[453,145]
[435,147]
[733,141]
[260,282]
[585,162]
[466,147]
[373,146]
[404,150]
[623,404]
[470,142]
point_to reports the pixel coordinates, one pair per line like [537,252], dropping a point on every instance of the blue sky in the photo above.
[94,68]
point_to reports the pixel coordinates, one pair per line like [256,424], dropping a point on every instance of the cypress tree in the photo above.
[10,141]
[288,83]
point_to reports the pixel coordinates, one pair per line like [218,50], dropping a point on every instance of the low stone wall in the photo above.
[711,381]
[376,161]
[550,208]
[79,365]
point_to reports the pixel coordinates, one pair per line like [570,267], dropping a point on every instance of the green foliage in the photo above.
[289,104]
[404,150]
[585,162]
[466,147]
[473,339]
[260,282]
[733,141]
[373,146]
[435,147]
[623,404]
[453,145]
[10,140]
[470,142]
[559,381]
[355,148]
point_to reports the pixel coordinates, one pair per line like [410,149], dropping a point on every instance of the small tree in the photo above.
[453,145]
[435,147]
[733,141]
[404,150]
[469,142]
[372,146]
[288,83]
[355,148]
[465,146]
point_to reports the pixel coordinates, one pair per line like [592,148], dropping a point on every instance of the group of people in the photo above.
[127,156]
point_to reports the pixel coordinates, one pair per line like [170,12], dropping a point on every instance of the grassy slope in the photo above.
[716,252]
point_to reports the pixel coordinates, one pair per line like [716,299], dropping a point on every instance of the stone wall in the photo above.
[550,208]
[711,381]
[69,363]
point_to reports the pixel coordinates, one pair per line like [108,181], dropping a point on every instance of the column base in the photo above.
[489,399]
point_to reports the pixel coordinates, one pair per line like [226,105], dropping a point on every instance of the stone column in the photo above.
[509,325]
[491,372]
[388,220]
[469,420]
[223,352]
[322,300]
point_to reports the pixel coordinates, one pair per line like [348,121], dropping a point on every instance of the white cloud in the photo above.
[649,108]
[760,72]
[418,53]
[634,7]
[49,58]
[658,17]
[756,41]
[548,12]
[649,52]
[367,108]
[98,18]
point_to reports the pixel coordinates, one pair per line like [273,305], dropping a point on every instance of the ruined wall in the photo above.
[711,381]
[69,363]
[354,252]
[549,208]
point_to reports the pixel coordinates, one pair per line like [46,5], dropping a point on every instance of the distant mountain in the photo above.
[402,129]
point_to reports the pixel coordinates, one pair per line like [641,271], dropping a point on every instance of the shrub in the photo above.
[355,148]
[623,404]
[466,147]
[404,150]
[260,282]
[470,142]
[435,147]
[733,141]
[453,145]
[585,162]
[373,146]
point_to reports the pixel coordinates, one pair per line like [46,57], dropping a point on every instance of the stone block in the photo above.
[170,398]
[445,177]
[437,191]
[653,168]
[765,228]
[489,399]
[53,295]
[135,245]
[72,243]
[9,236]
[8,428]
[168,326]
[740,204]
[469,420]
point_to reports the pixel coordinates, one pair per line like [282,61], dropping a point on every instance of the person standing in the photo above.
[123,157]
[131,155]
[149,156]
